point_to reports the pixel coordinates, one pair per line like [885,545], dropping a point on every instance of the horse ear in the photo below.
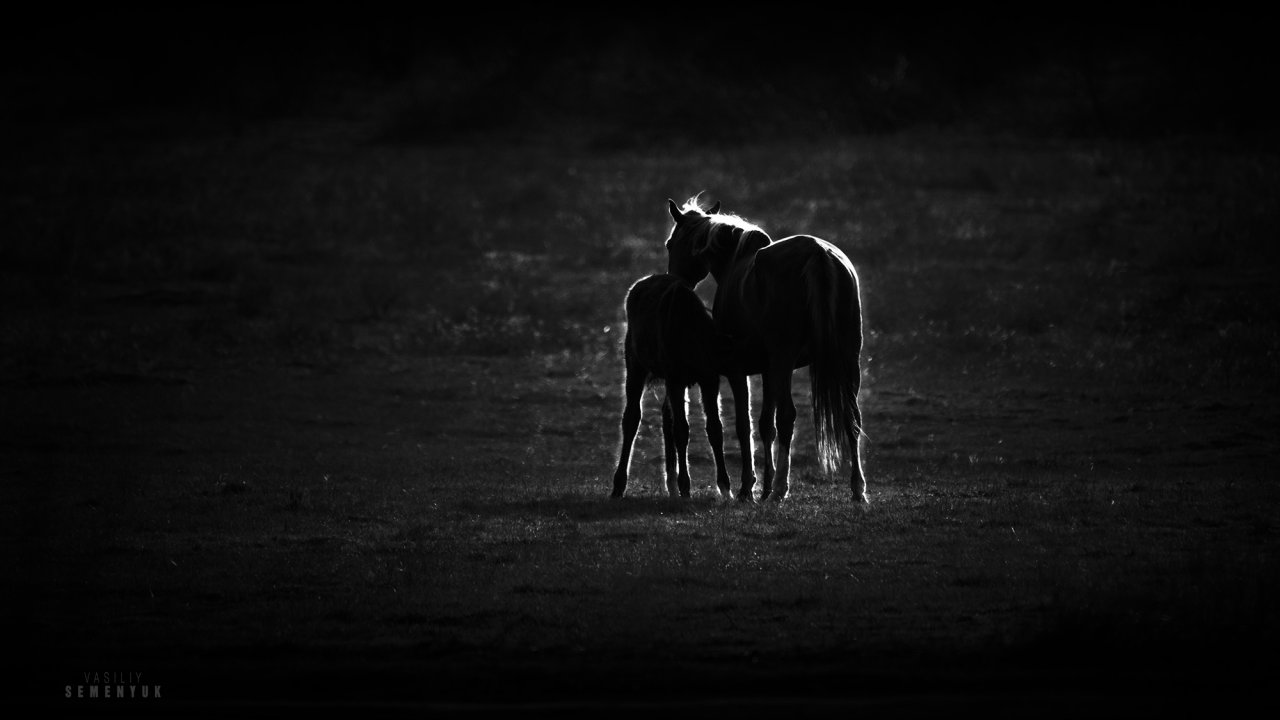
[675,210]
[714,208]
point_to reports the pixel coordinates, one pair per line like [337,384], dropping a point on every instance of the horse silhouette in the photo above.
[786,305]
[671,337]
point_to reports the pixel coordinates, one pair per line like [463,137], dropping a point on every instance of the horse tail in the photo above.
[835,345]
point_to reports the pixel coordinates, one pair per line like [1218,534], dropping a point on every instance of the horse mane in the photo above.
[726,231]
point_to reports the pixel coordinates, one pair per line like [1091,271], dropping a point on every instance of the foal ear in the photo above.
[714,208]
[675,210]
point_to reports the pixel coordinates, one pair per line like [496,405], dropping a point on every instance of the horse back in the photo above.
[786,259]
[765,301]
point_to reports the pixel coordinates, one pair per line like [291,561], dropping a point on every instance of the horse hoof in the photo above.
[778,498]
[746,498]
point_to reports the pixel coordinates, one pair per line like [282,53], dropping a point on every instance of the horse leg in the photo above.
[742,427]
[715,431]
[634,390]
[780,387]
[768,432]
[676,401]
[669,443]
[853,430]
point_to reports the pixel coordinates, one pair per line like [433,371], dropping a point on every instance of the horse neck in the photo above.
[748,243]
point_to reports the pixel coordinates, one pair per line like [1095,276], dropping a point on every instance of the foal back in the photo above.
[670,333]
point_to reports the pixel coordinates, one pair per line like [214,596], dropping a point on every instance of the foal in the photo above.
[670,336]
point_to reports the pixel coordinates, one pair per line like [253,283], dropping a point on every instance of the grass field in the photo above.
[305,412]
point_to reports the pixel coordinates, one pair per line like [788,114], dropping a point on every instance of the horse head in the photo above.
[709,242]
[688,241]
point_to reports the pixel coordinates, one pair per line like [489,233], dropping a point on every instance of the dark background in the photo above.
[267,273]
[660,75]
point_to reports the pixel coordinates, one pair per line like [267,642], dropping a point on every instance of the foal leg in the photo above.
[768,432]
[780,387]
[715,431]
[669,443]
[676,402]
[742,427]
[634,390]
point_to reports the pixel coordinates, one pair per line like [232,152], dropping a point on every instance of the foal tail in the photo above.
[835,344]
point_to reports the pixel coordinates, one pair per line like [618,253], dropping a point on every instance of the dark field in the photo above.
[321,407]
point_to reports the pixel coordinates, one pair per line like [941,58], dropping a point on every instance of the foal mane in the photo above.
[725,232]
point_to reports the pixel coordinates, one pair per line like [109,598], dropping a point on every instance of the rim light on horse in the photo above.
[671,336]
[786,304]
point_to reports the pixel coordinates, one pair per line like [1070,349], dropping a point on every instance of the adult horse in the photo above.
[786,305]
